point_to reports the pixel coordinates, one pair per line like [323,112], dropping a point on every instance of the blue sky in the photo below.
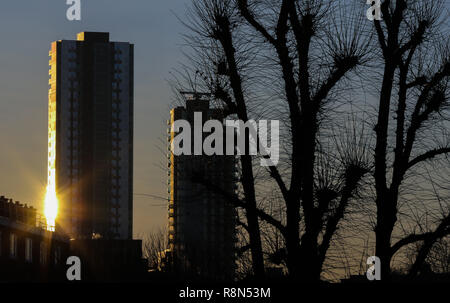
[27,28]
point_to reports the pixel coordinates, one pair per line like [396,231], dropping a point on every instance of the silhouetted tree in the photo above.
[302,51]
[154,248]
[415,58]
[300,61]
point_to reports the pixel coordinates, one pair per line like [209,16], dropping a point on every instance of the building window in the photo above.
[29,250]
[13,245]
[43,253]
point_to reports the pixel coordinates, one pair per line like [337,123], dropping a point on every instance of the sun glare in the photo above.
[51,200]
[51,207]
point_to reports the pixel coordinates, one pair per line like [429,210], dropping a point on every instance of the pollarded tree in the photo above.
[412,114]
[288,60]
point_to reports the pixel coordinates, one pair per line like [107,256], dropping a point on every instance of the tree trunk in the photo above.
[309,259]
[292,239]
[386,218]
[386,211]
[252,217]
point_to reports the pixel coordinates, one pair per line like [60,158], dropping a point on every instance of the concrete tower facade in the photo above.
[201,220]
[91,135]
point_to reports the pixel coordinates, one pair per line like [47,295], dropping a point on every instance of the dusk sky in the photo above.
[27,28]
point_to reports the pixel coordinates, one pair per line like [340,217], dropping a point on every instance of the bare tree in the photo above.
[439,256]
[154,249]
[305,62]
[415,59]
[301,52]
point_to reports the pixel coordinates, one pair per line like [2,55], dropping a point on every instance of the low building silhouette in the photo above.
[29,252]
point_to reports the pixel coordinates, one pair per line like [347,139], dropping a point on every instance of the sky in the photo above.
[27,27]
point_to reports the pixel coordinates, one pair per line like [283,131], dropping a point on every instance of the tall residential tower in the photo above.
[201,220]
[90,160]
